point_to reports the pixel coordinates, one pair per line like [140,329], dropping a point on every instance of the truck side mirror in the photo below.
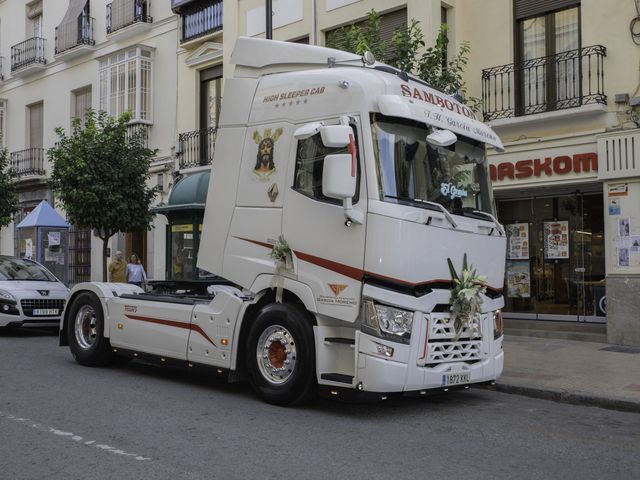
[336,136]
[337,179]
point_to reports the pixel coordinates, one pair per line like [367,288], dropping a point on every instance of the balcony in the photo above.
[143,129]
[200,19]
[74,38]
[28,57]
[126,18]
[566,80]
[195,149]
[29,162]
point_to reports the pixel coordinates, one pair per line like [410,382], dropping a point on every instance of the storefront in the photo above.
[185,211]
[550,201]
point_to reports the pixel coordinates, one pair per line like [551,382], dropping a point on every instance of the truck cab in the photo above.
[343,192]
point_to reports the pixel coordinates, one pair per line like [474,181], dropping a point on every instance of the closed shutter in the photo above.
[35,126]
[389,22]
[532,8]
[82,103]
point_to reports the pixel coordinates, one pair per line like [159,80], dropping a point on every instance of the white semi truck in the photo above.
[340,187]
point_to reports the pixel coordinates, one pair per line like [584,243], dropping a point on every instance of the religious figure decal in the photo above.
[265,165]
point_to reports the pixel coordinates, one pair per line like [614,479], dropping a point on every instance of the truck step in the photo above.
[337,377]
[344,341]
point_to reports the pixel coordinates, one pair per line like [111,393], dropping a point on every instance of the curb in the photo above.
[565,396]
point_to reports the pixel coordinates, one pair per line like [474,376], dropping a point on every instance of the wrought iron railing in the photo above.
[201,19]
[196,148]
[79,255]
[122,13]
[566,80]
[28,162]
[74,33]
[142,128]
[26,53]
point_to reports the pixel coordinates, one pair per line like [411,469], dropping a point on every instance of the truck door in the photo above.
[328,254]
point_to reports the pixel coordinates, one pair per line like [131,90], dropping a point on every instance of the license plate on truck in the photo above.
[455,379]
[45,311]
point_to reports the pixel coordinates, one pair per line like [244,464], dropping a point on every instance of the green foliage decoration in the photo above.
[9,195]
[407,52]
[100,172]
[466,298]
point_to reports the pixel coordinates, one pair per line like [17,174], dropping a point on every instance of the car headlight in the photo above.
[7,296]
[387,322]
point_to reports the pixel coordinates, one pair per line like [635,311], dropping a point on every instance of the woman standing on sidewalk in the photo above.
[135,272]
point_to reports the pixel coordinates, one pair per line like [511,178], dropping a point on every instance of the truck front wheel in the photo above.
[85,331]
[280,355]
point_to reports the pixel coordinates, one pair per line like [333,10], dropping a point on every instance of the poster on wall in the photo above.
[614,206]
[518,241]
[556,240]
[518,280]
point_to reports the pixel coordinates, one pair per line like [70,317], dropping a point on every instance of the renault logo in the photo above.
[44,293]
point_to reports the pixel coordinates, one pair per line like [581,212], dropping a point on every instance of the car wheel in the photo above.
[280,355]
[85,330]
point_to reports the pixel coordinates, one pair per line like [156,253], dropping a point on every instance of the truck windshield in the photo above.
[411,171]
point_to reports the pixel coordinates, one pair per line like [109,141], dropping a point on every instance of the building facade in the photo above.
[61,57]
[558,80]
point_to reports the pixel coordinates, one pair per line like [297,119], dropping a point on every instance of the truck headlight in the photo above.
[7,296]
[498,324]
[387,322]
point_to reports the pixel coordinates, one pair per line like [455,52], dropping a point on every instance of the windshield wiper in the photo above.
[430,205]
[491,217]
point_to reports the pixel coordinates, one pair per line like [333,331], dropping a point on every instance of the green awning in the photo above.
[189,193]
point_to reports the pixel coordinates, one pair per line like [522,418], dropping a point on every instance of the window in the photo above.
[310,156]
[34,19]
[81,102]
[3,123]
[125,84]
[210,96]
[36,130]
[549,45]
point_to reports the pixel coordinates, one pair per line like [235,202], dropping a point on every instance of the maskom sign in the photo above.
[545,168]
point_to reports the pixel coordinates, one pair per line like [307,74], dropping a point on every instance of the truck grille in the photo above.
[29,305]
[442,346]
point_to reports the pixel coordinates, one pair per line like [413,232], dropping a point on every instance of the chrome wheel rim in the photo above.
[85,326]
[276,354]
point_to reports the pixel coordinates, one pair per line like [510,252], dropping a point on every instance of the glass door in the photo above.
[555,258]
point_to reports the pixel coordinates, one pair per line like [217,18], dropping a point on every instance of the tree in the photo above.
[405,52]
[9,196]
[100,174]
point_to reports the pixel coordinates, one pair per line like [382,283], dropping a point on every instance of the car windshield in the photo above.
[411,171]
[12,268]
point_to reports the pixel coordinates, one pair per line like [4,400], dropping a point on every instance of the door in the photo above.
[328,254]
[555,257]
[210,100]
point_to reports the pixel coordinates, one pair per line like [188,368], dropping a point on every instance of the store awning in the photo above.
[43,216]
[189,193]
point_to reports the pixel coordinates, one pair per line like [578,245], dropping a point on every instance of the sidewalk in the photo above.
[586,373]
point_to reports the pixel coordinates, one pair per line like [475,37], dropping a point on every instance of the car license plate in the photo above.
[455,379]
[45,311]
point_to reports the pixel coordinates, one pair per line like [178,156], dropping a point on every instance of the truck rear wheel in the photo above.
[85,331]
[280,355]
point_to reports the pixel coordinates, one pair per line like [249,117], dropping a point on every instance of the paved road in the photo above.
[59,420]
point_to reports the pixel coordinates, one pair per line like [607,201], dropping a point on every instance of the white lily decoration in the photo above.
[466,298]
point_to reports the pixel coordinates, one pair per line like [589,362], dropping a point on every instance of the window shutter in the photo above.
[531,8]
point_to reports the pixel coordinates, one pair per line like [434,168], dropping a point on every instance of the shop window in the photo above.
[548,54]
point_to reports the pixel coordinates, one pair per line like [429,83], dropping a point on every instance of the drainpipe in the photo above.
[314,27]
[268,10]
